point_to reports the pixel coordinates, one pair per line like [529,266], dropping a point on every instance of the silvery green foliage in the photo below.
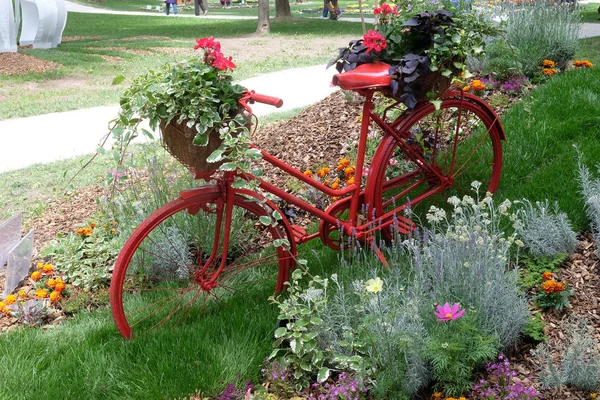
[464,258]
[31,312]
[545,230]
[173,253]
[590,188]
[580,358]
[384,327]
[541,31]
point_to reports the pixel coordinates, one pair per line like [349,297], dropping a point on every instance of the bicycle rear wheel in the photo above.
[165,273]
[462,141]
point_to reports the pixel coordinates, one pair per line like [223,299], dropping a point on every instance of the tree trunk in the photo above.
[263,17]
[282,9]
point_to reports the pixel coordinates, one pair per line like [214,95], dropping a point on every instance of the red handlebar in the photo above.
[270,100]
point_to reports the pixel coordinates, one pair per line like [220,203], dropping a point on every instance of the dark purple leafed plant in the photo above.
[501,384]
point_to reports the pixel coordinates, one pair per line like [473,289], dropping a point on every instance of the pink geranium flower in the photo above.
[446,313]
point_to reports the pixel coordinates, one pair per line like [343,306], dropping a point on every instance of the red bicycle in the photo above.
[215,241]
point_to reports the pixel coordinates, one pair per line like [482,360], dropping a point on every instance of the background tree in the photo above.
[264,25]
[282,8]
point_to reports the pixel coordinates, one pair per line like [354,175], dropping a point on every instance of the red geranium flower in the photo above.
[207,43]
[385,9]
[221,62]
[374,41]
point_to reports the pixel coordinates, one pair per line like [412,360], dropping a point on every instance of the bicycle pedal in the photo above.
[299,233]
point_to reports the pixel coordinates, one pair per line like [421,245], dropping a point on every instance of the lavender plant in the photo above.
[31,312]
[545,230]
[346,386]
[579,364]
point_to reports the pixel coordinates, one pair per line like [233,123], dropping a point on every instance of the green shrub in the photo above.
[542,31]
[501,61]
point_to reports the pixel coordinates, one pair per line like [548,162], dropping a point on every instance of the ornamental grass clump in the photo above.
[590,189]
[545,230]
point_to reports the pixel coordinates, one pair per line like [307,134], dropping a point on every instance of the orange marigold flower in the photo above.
[6,311]
[335,198]
[548,63]
[437,395]
[547,275]
[48,269]
[54,296]
[349,171]
[308,173]
[336,184]
[551,286]
[22,294]
[587,64]
[2,305]
[11,299]
[322,172]
[577,63]
[344,162]
[113,231]
[60,286]
[477,85]
[40,265]
[51,283]
[467,88]
[549,71]
[327,182]
[36,275]
[41,293]
[92,226]
[350,181]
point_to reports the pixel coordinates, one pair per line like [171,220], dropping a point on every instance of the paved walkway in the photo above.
[50,137]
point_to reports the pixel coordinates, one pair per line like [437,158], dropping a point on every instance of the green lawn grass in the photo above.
[85,78]
[589,12]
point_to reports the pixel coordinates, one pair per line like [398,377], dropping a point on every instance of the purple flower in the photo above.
[446,313]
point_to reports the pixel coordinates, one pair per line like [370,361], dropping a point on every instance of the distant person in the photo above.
[334,10]
[225,3]
[200,5]
[169,3]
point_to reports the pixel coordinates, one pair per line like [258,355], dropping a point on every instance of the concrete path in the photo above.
[56,136]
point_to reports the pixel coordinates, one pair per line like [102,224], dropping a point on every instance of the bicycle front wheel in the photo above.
[165,273]
[461,140]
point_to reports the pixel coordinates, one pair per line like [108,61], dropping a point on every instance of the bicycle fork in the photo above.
[226,207]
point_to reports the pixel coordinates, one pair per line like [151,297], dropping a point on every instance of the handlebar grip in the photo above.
[270,100]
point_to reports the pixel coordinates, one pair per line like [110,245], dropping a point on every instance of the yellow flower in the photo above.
[54,296]
[437,395]
[547,275]
[350,181]
[336,184]
[322,172]
[349,171]
[477,85]
[48,269]
[36,275]
[308,173]
[22,294]
[2,305]
[462,398]
[374,285]
[593,395]
[344,162]
[41,293]
[51,283]
[466,88]
[11,299]
[60,286]
[450,398]
[40,265]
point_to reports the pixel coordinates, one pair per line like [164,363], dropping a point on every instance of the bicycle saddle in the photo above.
[365,76]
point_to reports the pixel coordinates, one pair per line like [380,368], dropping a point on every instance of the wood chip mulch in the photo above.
[18,64]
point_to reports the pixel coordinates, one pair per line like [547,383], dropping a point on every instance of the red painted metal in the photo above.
[361,210]
[365,76]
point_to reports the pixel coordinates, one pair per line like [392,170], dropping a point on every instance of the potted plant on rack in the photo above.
[195,105]
[424,52]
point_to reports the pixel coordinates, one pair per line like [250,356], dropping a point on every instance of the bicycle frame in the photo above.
[356,190]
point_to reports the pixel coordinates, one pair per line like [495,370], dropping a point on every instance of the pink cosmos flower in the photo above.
[393,162]
[373,40]
[365,171]
[116,174]
[446,313]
